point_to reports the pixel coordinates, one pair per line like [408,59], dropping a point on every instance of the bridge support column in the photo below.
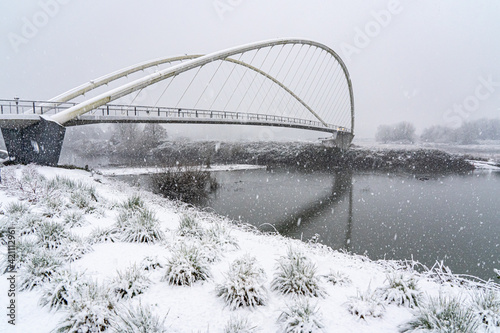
[39,143]
[340,140]
[343,140]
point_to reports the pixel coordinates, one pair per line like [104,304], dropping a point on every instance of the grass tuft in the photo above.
[24,248]
[84,198]
[237,324]
[301,317]
[220,235]
[443,315]
[134,203]
[51,234]
[137,319]
[338,278]
[151,263]
[189,226]
[296,274]
[18,208]
[244,284]
[486,306]
[40,267]
[130,283]
[74,248]
[90,309]
[402,289]
[73,218]
[56,294]
[186,266]
[99,235]
[139,226]
[365,305]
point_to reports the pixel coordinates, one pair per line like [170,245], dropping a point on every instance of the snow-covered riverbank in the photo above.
[119,256]
[146,171]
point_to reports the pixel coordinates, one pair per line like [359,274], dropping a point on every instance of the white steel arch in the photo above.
[194,61]
[105,79]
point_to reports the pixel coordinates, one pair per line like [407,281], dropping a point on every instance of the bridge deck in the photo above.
[21,115]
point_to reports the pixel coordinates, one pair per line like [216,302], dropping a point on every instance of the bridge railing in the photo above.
[17,106]
[20,107]
[168,112]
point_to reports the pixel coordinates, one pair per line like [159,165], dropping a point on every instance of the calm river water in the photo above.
[453,218]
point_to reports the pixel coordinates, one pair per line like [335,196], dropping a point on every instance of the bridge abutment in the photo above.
[340,140]
[39,143]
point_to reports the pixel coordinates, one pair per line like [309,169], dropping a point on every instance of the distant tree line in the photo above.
[468,133]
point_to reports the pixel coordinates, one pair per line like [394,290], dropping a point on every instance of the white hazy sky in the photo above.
[427,61]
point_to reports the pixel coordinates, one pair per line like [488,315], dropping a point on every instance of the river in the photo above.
[450,218]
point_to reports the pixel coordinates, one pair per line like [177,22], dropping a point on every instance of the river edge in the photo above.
[197,307]
[314,156]
[298,155]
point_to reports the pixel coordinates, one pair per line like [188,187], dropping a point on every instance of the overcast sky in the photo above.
[426,61]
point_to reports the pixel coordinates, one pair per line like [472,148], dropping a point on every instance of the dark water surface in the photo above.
[453,218]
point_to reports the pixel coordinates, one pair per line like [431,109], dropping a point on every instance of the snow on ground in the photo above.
[145,171]
[197,308]
[486,165]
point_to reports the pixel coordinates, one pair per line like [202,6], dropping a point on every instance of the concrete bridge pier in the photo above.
[340,140]
[39,143]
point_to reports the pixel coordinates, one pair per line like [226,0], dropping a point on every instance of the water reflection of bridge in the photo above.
[341,192]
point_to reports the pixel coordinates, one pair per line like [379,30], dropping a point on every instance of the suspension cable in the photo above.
[251,83]
[260,87]
[277,76]
[224,84]
[244,73]
[209,82]
[180,99]
[164,90]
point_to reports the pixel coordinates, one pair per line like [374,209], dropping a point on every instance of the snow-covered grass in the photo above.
[186,266]
[57,293]
[486,306]
[244,284]
[301,316]
[112,259]
[90,309]
[189,226]
[239,325]
[366,304]
[338,278]
[401,289]
[296,274]
[130,283]
[139,226]
[441,315]
[137,319]
[40,267]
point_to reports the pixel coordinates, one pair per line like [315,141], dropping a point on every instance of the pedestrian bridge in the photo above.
[291,83]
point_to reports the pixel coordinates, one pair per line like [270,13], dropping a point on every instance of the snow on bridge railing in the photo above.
[26,107]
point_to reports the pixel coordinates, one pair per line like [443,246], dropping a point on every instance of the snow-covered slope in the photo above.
[98,254]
